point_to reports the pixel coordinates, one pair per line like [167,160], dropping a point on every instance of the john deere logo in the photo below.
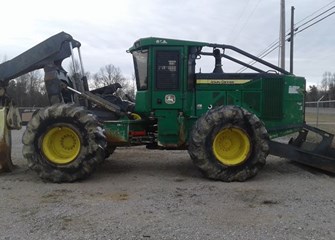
[170,99]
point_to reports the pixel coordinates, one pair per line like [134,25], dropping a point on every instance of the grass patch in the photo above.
[326,121]
[323,118]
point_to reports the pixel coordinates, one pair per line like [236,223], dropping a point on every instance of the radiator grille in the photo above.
[273,98]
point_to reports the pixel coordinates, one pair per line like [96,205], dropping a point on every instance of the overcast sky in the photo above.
[108,28]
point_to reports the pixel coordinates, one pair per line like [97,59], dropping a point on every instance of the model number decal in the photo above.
[223,81]
[293,89]
[161,41]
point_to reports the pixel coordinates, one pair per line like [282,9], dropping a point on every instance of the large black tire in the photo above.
[208,139]
[63,143]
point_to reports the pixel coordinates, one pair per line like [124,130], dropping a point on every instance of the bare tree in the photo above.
[328,85]
[326,81]
[110,74]
[132,87]
[28,90]
[313,93]
[107,75]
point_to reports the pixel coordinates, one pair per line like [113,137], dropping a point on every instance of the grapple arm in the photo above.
[48,55]
[51,51]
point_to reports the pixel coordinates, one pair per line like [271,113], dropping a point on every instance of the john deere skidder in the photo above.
[225,120]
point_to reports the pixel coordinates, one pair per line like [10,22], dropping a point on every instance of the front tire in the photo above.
[229,143]
[63,143]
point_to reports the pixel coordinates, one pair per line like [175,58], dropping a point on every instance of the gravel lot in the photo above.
[149,194]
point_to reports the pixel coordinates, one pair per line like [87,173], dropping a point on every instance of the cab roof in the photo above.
[156,41]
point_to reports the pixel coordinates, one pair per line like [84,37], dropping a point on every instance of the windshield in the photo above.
[141,68]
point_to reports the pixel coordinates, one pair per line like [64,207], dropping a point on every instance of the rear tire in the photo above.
[229,143]
[63,143]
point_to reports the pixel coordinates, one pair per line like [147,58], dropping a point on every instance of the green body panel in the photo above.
[117,131]
[278,101]
[170,128]
[143,98]
[175,96]
[120,132]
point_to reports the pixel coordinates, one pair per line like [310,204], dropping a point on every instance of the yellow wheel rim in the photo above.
[231,146]
[61,145]
[136,116]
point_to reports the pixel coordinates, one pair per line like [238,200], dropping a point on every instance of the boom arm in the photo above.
[51,51]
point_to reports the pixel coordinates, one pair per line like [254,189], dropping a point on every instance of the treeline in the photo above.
[326,89]
[29,90]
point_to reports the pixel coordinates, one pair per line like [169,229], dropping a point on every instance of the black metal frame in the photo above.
[244,53]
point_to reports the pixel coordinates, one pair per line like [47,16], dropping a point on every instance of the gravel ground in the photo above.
[149,194]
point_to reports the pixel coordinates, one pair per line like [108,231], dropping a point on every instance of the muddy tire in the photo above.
[102,116]
[63,143]
[229,143]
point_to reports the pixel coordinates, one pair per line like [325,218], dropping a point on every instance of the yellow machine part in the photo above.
[61,145]
[6,164]
[231,146]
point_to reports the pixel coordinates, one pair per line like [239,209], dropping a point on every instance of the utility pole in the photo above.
[282,35]
[292,39]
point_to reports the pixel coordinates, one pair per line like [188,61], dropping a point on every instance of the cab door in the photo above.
[167,78]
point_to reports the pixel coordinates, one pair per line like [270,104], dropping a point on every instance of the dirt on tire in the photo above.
[206,129]
[90,142]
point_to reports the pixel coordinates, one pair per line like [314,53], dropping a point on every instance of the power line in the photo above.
[273,46]
[315,17]
[274,43]
[246,21]
[234,29]
[270,50]
[315,23]
[315,12]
